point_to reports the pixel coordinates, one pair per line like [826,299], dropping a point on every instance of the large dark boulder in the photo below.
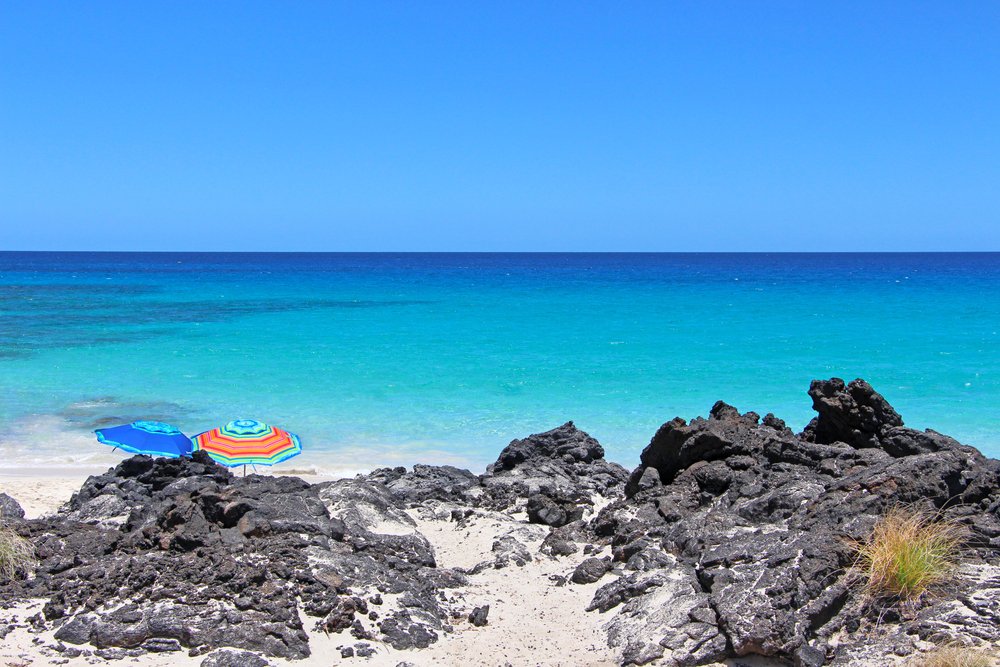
[855,413]
[725,434]
[10,509]
[858,415]
[590,570]
[566,465]
[566,443]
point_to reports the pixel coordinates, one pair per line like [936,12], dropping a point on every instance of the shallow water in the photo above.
[378,359]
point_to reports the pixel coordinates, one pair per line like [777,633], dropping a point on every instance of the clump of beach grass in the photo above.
[909,552]
[17,555]
[953,655]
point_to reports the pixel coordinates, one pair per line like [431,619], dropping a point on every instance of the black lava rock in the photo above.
[10,509]
[736,535]
[229,658]
[590,570]
[479,615]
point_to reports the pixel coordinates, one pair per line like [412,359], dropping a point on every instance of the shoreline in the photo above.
[40,495]
[77,450]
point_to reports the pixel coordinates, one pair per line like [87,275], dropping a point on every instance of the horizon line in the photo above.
[514,252]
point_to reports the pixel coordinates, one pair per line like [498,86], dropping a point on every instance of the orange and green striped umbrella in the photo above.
[248,442]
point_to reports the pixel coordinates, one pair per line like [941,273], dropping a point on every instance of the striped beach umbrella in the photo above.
[146,437]
[248,442]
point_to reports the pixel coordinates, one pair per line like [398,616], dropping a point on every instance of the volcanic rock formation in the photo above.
[733,537]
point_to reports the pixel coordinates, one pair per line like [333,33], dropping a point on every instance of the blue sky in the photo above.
[500,126]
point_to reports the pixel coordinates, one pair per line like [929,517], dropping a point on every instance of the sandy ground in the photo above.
[38,494]
[532,620]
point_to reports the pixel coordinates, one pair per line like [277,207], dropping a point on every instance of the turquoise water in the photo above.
[377,359]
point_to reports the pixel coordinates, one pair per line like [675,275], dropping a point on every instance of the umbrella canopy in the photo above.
[144,437]
[248,442]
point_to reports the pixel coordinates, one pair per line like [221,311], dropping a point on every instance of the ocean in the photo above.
[391,359]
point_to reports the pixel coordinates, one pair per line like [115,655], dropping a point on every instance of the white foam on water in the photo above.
[50,441]
[46,443]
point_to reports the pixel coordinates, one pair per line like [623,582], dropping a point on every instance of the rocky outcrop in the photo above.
[554,477]
[756,524]
[162,554]
[734,537]
[564,459]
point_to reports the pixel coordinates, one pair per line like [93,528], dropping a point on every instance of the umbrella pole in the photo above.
[244,469]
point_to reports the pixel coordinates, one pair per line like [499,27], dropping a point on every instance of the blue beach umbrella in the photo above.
[150,438]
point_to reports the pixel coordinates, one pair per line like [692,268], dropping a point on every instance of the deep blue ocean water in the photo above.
[377,359]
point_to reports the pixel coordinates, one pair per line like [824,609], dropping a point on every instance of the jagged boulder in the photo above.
[554,476]
[855,413]
[858,415]
[10,509]
[564,465]
[564,443]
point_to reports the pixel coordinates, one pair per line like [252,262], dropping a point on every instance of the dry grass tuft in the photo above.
[953,655]
[17,555]
[909,553]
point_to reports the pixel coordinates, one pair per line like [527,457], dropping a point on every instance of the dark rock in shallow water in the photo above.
[9,508]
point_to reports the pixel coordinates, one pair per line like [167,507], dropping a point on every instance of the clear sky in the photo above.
[500,125]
